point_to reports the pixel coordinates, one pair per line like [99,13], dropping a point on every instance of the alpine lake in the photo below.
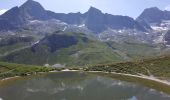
[82,86]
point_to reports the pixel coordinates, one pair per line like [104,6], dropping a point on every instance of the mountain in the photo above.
[72,39]
[97,21]
[11,19]
[19,16]
[94,19]
[32,10]
[154,15]
[159,21]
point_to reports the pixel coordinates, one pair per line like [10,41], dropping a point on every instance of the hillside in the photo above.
[9,44]
[11,70]
[157,67]
[67,49]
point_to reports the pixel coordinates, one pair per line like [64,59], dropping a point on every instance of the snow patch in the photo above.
[159,39]
[168,46]
[83,25]
[146,33]
[63,23]
[35,21]
[36,42]
[120,31]
[157,28]
[64,28]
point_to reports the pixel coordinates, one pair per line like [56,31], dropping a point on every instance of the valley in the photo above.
[46,52]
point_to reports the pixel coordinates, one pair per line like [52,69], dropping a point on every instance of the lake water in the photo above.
[76,86]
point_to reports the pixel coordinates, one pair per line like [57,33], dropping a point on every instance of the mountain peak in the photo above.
[152,15]
[33,10]
[93,9]
[152,9]
[31,3]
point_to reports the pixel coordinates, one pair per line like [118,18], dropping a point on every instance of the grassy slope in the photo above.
[159,67]
[11,48]
[136,50]
[83,53]
[15,46]
[11,69]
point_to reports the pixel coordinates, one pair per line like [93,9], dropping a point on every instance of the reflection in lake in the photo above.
[77,86]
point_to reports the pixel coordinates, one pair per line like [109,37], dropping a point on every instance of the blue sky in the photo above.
[130,8]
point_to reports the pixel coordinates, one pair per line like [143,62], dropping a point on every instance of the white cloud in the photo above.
[167,8]
[3,11]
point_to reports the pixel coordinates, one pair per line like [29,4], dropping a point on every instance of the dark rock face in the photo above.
[33,10]
[55,42]
[19,16]
[13,16]
[97,21]
[11,19]
[71,18]
[121,22]
[154,15]
[94,20]
[167,37]
[6,25]
[145,24]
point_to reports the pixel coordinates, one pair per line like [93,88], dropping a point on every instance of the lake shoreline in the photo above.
[9,78]
[151,78]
